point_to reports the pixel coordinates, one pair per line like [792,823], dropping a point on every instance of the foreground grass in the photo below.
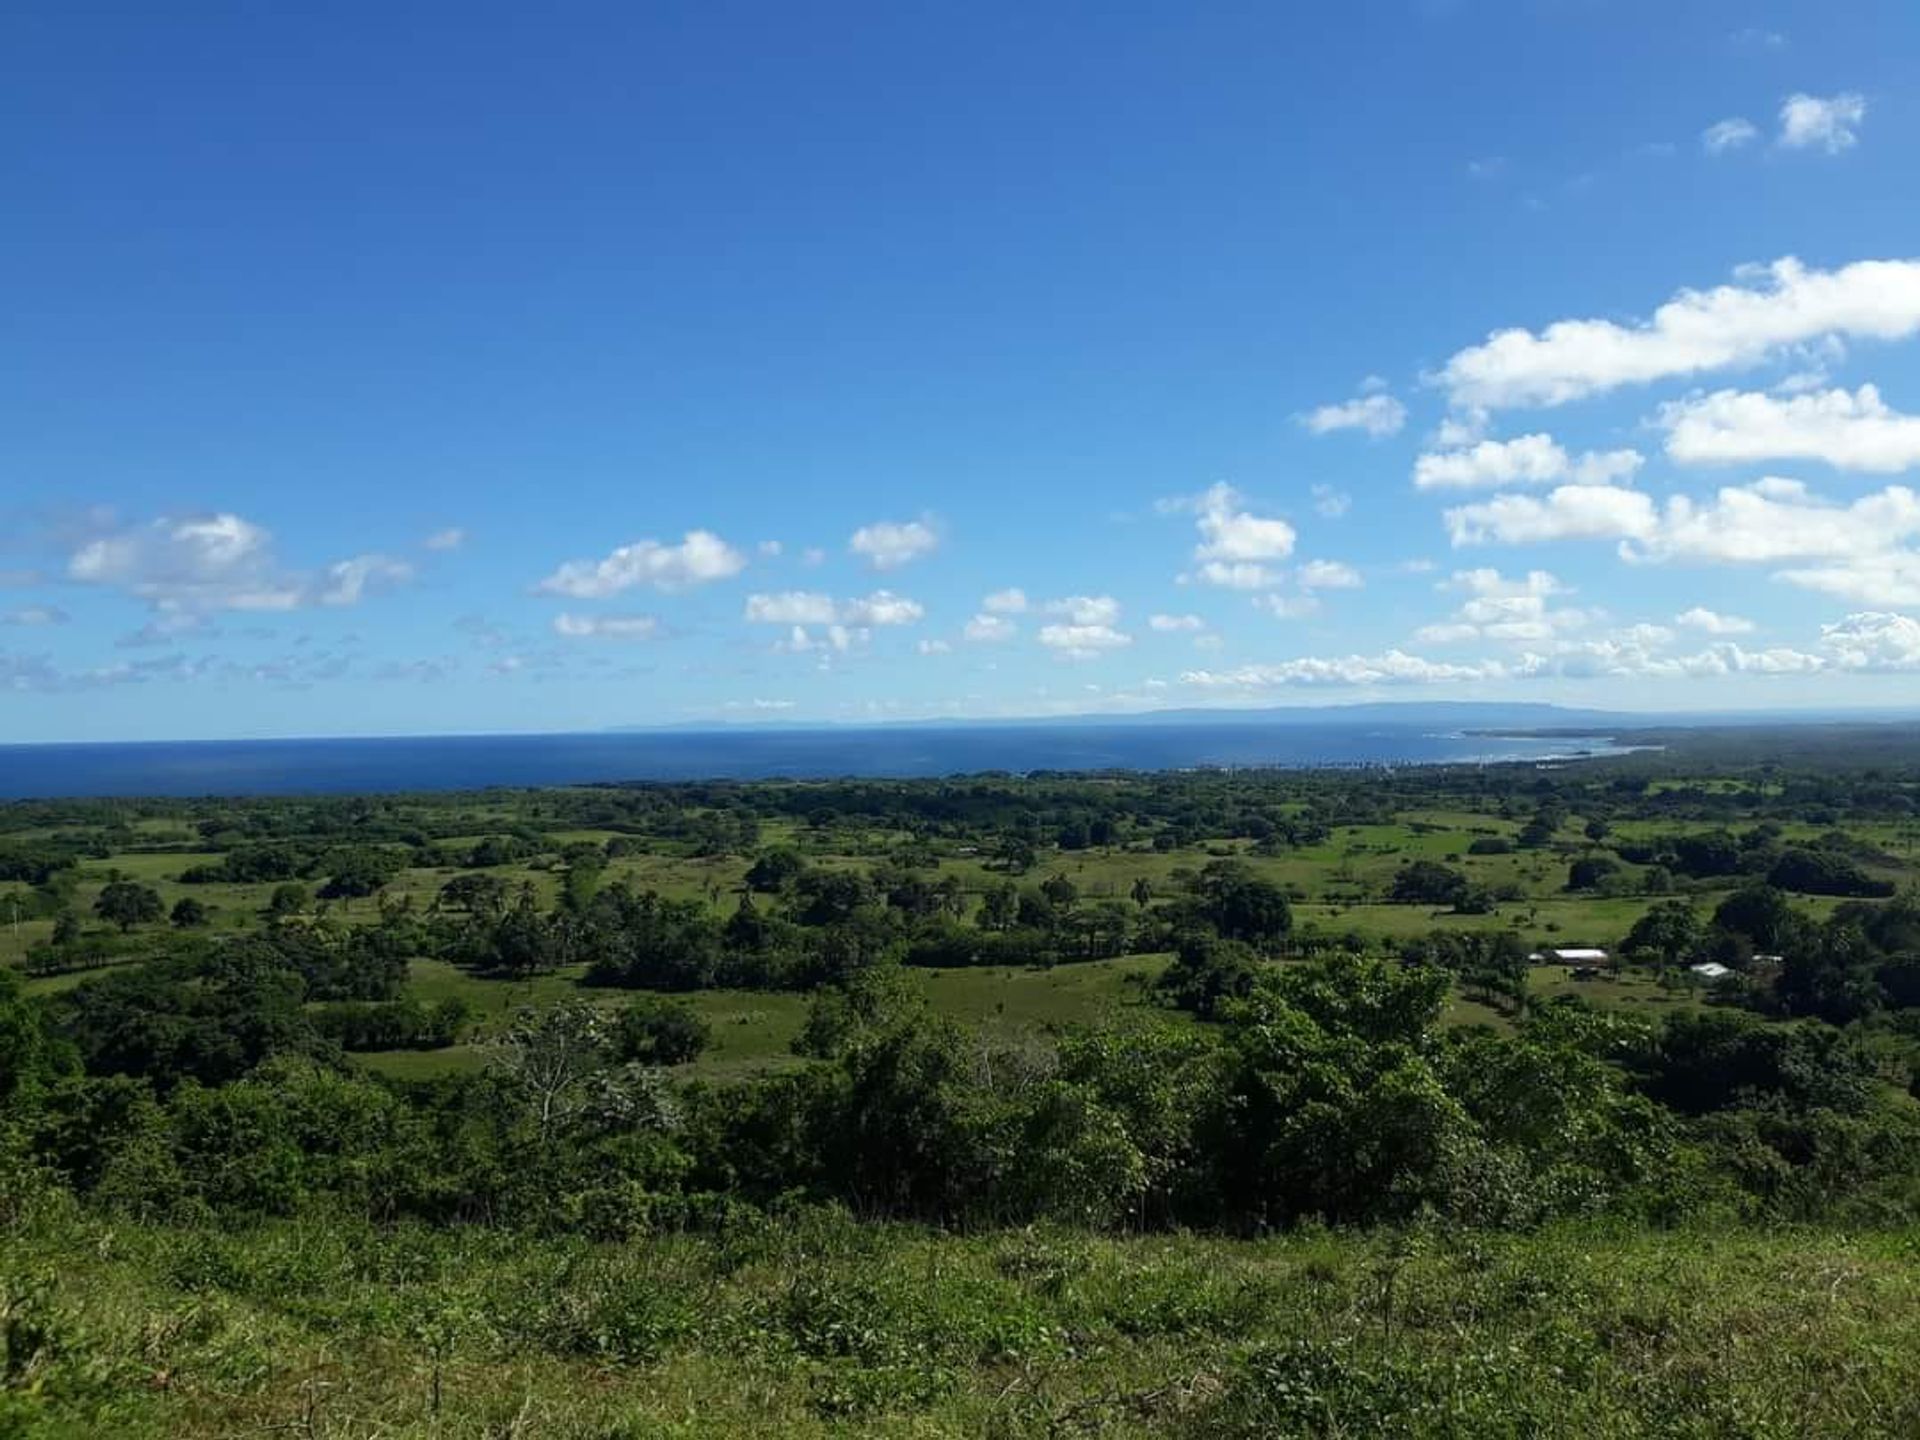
[818,1325]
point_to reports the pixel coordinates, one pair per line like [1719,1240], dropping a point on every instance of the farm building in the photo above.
[1569,955]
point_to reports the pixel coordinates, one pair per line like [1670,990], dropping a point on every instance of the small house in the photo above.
[1711,971]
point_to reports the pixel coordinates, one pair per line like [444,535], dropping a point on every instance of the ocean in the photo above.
[460,762]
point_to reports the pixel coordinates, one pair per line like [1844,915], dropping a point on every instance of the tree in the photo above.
[774,870]
[1667,931]
[1759,912]
[551,1056]
[1590,870]
[1060,892]
[287,899]
[999,906]
[1142,892]
[127,903]
[1428,882]
[659,1031]
[1242,906]
[189,913]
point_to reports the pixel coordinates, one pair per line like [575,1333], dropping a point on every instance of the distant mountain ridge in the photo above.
[1450,714]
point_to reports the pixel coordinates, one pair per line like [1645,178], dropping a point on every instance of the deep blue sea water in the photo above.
[456,762]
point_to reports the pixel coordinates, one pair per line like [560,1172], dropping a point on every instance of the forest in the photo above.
[1471,1100]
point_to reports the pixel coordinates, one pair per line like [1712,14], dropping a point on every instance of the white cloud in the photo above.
[1244,576]
[792,607]
[451,538]
[989,629]
[1288,607]
[832,640]
[1083,641]
[1231,533]
[1809,122]
[701,557]
[1235,544]
[769,549]
[1327,575]
[201,563]
[883,607]
[1769,520]
[889,544]
[1571,512]
[1696,331]
[1713,622]
[933,647]
[1395,667]
[1510,610]
[1085,609]
[1888,578]
[606,627]
[34,616]
[759,705]
[1525,460]
[806,607]
[1873,640]
[1011,601]
[1378,414]
[1774,520]
[1728,134]
[345,582]
[1174,624]
[1849,431]
[1329,503]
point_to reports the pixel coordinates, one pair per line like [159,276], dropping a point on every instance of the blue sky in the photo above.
[376,369]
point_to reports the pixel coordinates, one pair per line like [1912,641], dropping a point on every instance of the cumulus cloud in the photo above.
[792,607]
[1848,430]
[1083,641]
[889,544]
[1770,522]
[1832,124]
[1085,609]
[1236,546]
[1888,578]
[1863,642]
[1395,667]
[1729,134]
[1774,520]
[1873,640]
[1011,601]
[1783,304]
[989,629]
[883,607]
[451,538]
[1505,609]
[933,647]
[1571,512]
[346,582]
[1287,607]
[1327,575]
[34,616]
[201,563]
[1175,624]
[606,627]
[1712,622]
[1243,576]
[700,558]
[1525,460]
[806,607]
[1375,412]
